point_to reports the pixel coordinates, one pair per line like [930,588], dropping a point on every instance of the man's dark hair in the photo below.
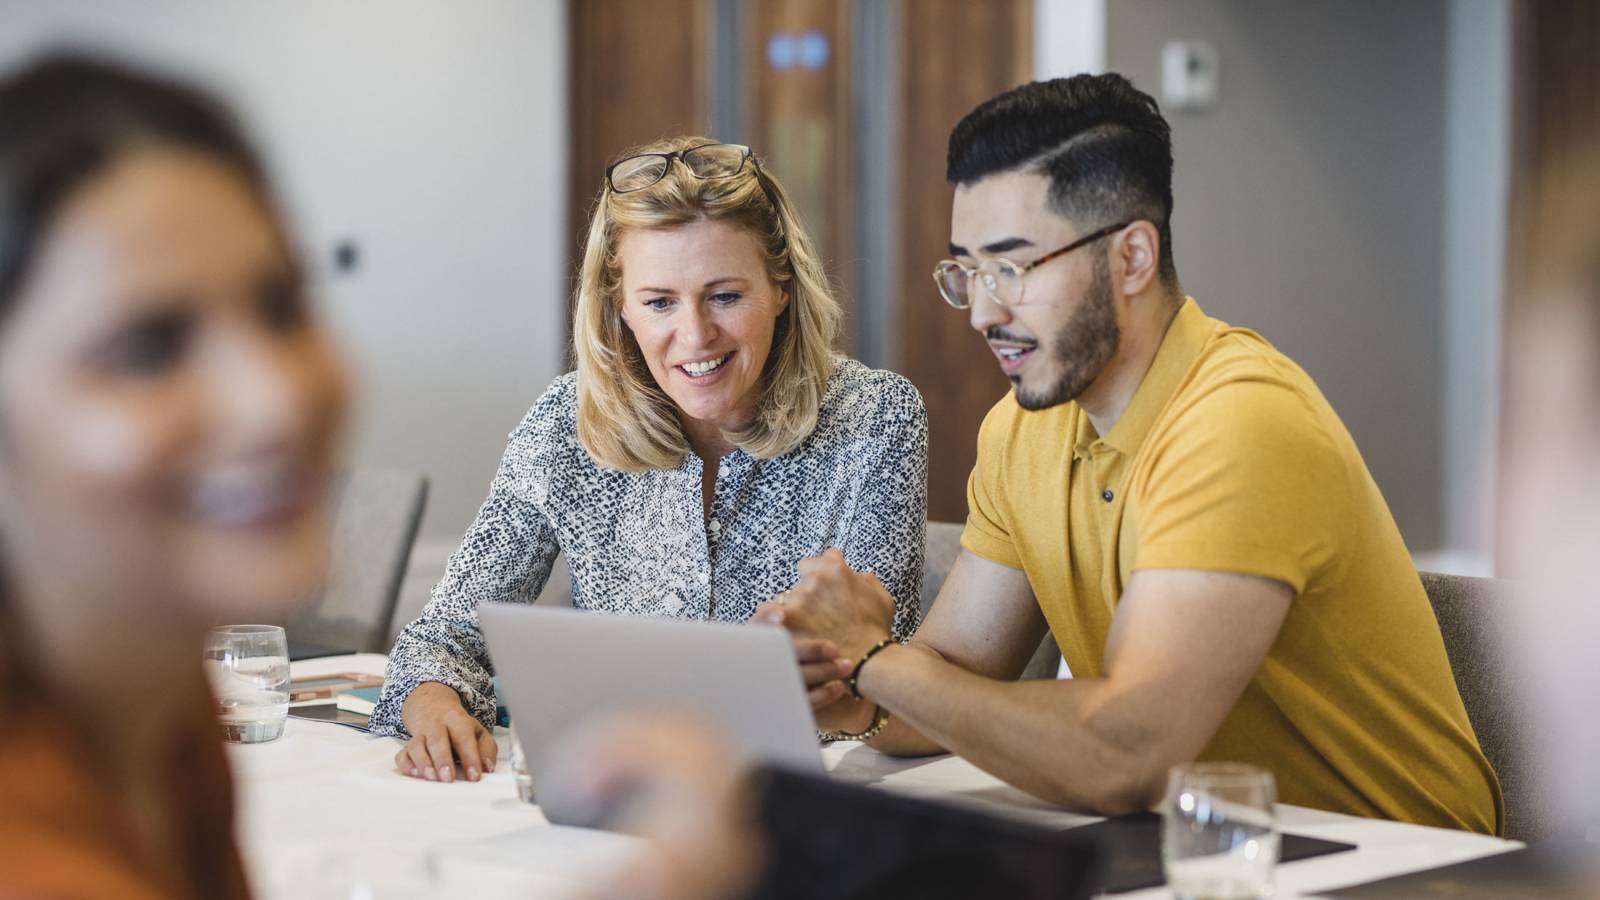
[68,116]
[1102,143]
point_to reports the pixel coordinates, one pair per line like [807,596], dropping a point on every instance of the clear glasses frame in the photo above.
[1001,278]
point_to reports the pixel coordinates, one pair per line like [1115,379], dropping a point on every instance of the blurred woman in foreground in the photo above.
[168,413]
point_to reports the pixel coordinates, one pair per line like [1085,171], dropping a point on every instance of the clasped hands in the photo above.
[835,615]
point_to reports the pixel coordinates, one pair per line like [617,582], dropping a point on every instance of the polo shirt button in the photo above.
[1106,495]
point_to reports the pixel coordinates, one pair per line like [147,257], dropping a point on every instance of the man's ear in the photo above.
[1139,249]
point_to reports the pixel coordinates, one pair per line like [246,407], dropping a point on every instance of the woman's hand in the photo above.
[822,669]
[833,603]
[442,732]
[824,673]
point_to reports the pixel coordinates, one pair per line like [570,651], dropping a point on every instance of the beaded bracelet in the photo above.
[855,676]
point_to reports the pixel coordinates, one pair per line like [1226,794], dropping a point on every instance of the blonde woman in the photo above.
[708,442]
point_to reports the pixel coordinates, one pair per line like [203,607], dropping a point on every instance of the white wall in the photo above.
[1459,336]
[431,134]
[1069,38]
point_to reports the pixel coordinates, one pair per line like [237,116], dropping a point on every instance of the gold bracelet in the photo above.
[880,718]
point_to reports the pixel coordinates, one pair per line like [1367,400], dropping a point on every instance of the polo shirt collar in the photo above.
[1181,345]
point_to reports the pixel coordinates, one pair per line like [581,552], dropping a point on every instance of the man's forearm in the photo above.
[1058,740]
[899,737]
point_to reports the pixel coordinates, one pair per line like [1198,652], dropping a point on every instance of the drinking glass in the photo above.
[1219,835]
[519,769]
[249,670]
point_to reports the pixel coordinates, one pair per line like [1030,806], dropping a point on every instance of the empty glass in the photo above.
[1219,836]
[249,670]
[519,769]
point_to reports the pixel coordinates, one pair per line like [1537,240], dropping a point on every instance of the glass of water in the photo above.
[1219,834]
[519,769]
[249,670]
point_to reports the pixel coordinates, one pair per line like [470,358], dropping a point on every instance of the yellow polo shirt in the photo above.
[1229,459]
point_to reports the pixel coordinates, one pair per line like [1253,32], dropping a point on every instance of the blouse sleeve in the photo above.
[887,529]
[505,557]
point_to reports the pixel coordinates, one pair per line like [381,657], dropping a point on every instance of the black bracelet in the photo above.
[855,677]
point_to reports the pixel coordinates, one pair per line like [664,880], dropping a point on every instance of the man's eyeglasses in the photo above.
[1001,279]
[705,161]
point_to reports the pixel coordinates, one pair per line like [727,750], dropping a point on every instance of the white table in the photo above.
[324,791]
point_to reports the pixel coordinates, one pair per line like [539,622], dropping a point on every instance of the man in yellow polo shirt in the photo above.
[1171,496]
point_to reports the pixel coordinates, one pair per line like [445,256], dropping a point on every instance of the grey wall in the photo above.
[1477,181]
[433,135]
[1309,205]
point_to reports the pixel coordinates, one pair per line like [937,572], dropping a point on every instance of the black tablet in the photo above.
[828,839]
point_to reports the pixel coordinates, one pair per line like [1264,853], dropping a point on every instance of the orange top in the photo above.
[64,833]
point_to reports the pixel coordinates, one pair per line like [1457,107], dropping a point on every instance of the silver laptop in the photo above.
[560,667]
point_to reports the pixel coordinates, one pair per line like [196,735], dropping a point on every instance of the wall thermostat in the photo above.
[1189,72]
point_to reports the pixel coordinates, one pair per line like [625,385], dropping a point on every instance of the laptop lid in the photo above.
[560,667]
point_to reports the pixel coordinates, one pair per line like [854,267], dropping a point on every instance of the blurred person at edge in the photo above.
[1551,488]
[169,411]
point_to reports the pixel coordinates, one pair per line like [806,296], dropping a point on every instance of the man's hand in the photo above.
[822,669]
[833,603]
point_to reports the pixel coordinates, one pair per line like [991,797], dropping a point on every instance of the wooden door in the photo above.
[955,54]
[638,73]
[641,70]
[797,97]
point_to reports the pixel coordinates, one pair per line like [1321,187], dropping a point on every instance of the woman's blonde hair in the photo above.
[625,420]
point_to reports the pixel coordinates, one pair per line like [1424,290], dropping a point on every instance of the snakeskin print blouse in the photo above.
[639,543]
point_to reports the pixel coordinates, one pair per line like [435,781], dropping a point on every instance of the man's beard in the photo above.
[1083,346]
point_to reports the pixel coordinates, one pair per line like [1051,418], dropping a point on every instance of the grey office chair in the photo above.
[375,517]
[941,547]
[1468,613]
[558,587]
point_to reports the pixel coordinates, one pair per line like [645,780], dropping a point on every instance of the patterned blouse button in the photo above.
[716,527]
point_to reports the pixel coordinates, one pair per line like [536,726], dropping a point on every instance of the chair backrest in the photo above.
[1469,610]
[375,517]
[941,547]
[557,589]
